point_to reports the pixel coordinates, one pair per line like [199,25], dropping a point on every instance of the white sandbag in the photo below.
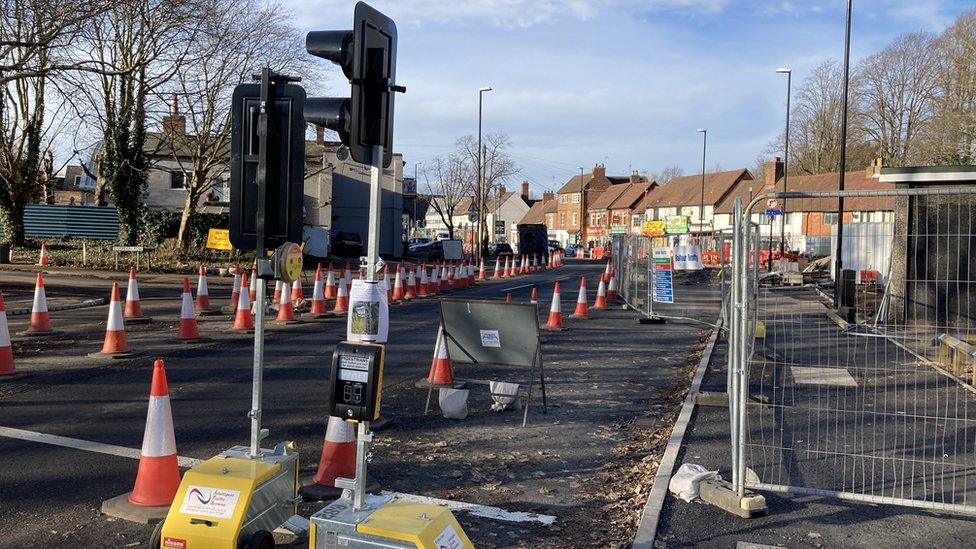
[504,394]
[453,403]
[684,483]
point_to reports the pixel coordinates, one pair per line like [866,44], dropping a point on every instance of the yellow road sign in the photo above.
[289,258]
[219,239]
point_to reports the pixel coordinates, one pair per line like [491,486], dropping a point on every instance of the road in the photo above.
[610,383]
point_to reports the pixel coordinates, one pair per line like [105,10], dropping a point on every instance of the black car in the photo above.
[502,249]
[431,251]
[346,244]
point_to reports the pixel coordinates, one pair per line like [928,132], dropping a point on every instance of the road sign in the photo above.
[618,229]
[499,226]
[219,239]
[663,276]
[773,212]
[288,262]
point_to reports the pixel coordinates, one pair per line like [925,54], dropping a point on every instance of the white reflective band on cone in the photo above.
[115,323]
[132,292]
[186,309]
[237,282]
[202,286]
[40,300]
[339,431]
[4,331]
[158,439]
[317,293]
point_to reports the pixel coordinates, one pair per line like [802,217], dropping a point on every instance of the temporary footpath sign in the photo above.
[663,276]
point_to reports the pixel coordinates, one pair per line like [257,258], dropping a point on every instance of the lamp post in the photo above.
[416,183]
[838,263]
[481,172]
[786,155]
[579,236]
[701,206]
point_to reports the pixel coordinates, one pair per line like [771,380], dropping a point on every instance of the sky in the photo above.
[620,82]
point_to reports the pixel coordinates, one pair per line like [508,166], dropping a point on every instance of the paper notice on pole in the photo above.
[369,312]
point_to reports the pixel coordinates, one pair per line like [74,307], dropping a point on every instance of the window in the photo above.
[576,198]
[77,181]
[562,220]
[636,220]
[830,218]
[562,198]
[654,213]
[177,180]
[575,219]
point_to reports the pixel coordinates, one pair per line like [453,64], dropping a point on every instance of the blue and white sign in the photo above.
[773,212]
[663,277]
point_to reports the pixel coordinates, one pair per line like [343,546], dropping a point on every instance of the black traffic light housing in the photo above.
[367,56]
[267,162]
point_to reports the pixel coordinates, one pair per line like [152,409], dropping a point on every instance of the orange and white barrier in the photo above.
[318,294]
[158,477]
[188,321]
[203,293]
[555,321]
[40,320]
[115,343]
[6,351]
[582,311]
[243,319]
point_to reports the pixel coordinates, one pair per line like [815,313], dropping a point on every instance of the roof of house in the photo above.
[631,195]
[573,185]
[860,180]
[607,197]
[537,213]
[687,190]
[649,198]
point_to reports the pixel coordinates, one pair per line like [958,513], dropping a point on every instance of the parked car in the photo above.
[430,251]
[501,249]
[418,240]
[345,244]
[571,249]
[555,246]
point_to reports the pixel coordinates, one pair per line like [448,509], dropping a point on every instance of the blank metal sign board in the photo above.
[493,332]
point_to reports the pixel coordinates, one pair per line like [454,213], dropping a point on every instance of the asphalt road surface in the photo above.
[609,383]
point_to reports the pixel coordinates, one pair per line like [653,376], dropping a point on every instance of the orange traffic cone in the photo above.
[330,284]
[435,282]
[133,309]
[159,476]
[497,273]
[612,289]
[423,290]
[188,321]
[236,292]
[534,298]
[203,294]
[509,267]
[482,276]
[40,320]
[347,277]
[555,321]
[115,344]
[318,295]
[6,351]
[441,369]
[471,280]
[252,289]
[338,459]
[297,292]
[342,300]
[606,273]
[286,308]
[411,285]
[445,283]
[243,318]
[398,284]
[581,309]
[277,292]
[601,296]
[42,259]
[452,283]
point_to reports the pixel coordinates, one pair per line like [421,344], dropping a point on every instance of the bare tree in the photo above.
[498,168]
[448,183]
[951,135]
[894,95]
[226,53]
[667,174]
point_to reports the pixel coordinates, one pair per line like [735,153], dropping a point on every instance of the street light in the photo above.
[416,195]
[481,172]
[579,236]
[838,263]
[701,206]
[786,155]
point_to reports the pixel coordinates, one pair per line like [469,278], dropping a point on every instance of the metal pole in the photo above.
[582,211]
[838,263]
[786,162]
[481,178]
[701,206]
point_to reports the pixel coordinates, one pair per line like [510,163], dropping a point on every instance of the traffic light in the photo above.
[267,162]
[367,56]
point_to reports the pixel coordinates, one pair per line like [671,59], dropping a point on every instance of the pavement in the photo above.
[612,385]
[859,438]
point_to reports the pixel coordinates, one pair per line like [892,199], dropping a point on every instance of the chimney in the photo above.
[875,168]
[502,190]
[525,190]
[320,135]
[773,171]
[175,123]
[600,171]
[634,177]
[548,195]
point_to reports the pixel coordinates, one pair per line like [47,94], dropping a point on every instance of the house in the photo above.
[75,188]
[504,213]
[683,196]
[612,211]
[624,219]
[542,211]
[809,221]
[573,200]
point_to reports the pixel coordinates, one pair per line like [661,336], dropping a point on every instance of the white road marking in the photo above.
[87,445]
[513,288]
[484,511]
